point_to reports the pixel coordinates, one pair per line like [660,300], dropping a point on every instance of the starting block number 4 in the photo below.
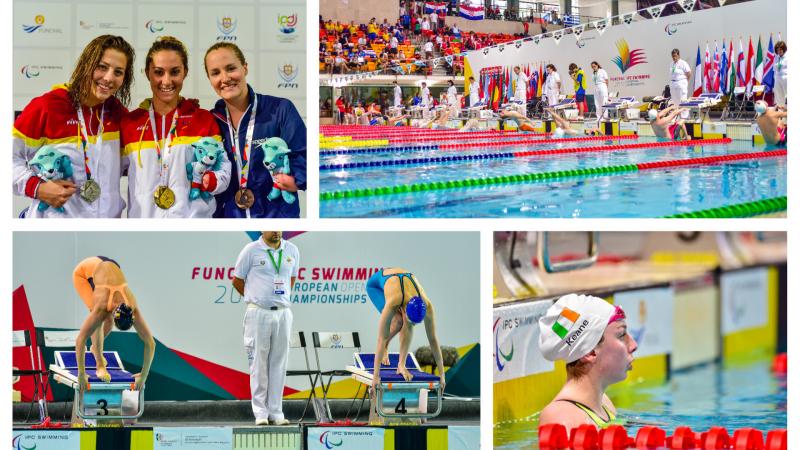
[406,402]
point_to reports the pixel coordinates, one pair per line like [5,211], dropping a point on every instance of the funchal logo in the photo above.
[154,26]
[328,443]
[16,444]
[498,354]
[226,25]
[29,71]
[287,24]
[288,73]
[39,20]
[628,58]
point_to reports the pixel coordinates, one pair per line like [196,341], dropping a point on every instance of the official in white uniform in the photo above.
[600,80]
[521,88]
[679,72]
[452,94]
[552,85]
[781,71]
[474,92]
[264,275]
[398,94]
[426,95]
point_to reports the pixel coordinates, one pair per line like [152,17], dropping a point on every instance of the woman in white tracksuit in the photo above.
[521,89]
[781,69]
[552,85]
[474,92]
[600,80]
[679,72]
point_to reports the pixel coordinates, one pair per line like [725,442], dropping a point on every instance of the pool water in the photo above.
[651,193]
[732,397]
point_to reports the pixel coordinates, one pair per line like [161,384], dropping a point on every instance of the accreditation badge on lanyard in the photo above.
[90,191]
[279,287]
[244,197]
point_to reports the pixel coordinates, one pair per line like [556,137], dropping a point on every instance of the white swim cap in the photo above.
[652,114]
[559,133]
[761,106]
[573,326]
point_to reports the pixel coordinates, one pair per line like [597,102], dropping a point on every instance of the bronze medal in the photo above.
[90,191]
[164,197]
[244,198]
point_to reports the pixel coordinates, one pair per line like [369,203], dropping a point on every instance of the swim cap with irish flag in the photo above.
[573,326]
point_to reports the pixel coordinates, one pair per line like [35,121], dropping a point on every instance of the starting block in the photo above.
[474,112]
[395,397]
[617,108]
[698,106]
[100,397]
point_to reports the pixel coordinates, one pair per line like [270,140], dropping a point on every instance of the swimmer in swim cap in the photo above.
[562,124]
[399,297]
[590,335]
[102,286]
[772,123]
[760,107]
[667,125]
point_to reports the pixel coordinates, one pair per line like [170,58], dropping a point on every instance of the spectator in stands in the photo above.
[428,48]
[340,64]
[434,21]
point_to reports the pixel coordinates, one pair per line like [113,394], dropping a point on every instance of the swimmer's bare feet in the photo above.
[385,361]
[103,374]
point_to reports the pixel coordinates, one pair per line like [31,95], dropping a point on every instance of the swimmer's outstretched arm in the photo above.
[149,348]
[433,340]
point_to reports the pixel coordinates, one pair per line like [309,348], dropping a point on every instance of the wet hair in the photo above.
[552,67]
[80,83]
[780,45]
[232,47]
[577,369]
[167,43]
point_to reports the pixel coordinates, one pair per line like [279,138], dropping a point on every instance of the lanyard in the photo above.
[84,135]
[243,160]
[162,154]
[277,265]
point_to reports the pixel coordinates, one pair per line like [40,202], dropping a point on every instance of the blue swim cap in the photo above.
[123,317]
[416,309]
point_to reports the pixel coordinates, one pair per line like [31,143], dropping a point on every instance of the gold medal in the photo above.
[90,191]
[164,197]
[244,198]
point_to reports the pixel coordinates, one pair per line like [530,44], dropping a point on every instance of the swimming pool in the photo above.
[712,395]
[459,175]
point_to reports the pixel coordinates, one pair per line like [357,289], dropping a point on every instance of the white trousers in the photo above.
[266,340]
[780,91]
[552,97]
[600,99]
[679,91]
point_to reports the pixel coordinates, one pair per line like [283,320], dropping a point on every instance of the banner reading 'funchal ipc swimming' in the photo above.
[651,40]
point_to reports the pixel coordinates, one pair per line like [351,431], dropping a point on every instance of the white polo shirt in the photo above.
[264,286]
[678,71]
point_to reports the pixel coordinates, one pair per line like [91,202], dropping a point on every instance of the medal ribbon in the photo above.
[163,154]
[243,159]
[280,261]
[84,136]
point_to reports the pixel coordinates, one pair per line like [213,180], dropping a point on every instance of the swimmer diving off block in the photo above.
[102,286]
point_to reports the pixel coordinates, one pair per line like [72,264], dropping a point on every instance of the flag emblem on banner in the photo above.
[565,321]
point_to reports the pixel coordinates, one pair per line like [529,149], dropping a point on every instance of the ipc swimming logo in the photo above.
[29,71]
[671,29]
[154,26]
[287,24]
[628,58]
[39,20]
[498,354]
[328,443]
[16,444]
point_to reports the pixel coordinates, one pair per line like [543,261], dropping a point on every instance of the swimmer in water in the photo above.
[591,336]
[439,122]
[667,125]
[772,123]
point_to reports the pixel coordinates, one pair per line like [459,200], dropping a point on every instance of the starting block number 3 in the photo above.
[103,407]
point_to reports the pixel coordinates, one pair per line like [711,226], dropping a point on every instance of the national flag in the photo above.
[471,12]
[564,322]
[707,71]
[540,82]
[732,72]
[751,58]
[723,70]
[741,67]
[510,81]
[759,67]
[715,68]
[435,7]
[769,67]
[698,75]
